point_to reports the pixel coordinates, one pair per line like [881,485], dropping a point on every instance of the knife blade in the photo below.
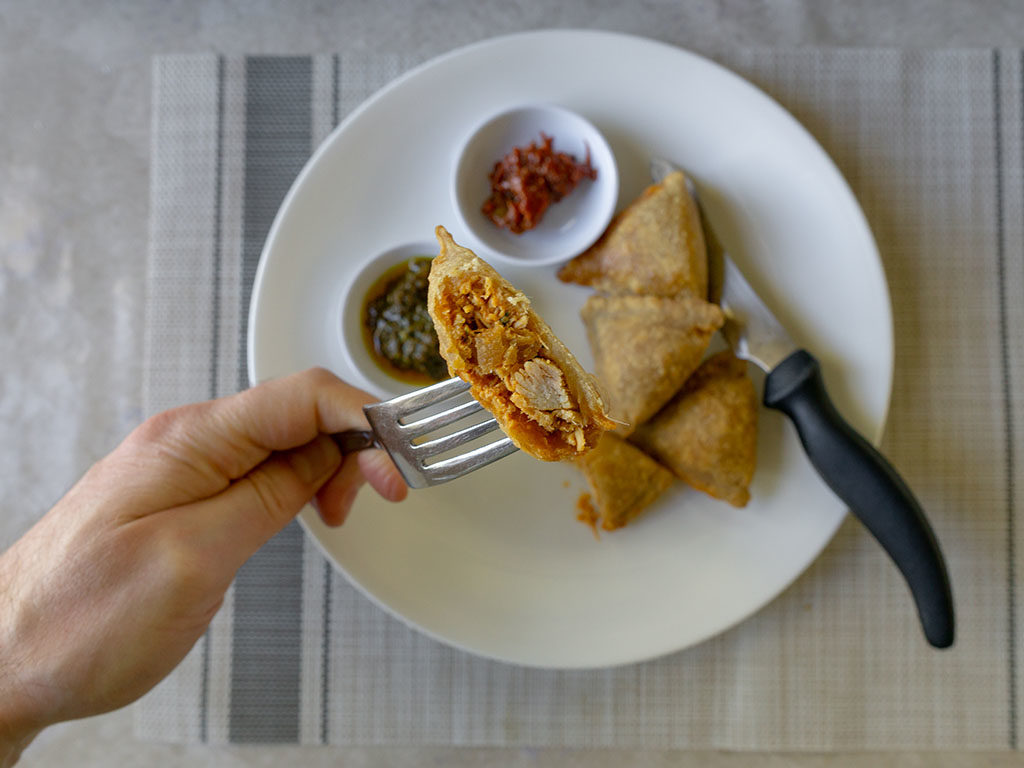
[855,471]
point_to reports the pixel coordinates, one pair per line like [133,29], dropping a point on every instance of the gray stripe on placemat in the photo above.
[217,227]
[204,684]
[1009,436]
[326,650]
[335,88]
[267,645]
[997,106]
[325,666]
[1010,461]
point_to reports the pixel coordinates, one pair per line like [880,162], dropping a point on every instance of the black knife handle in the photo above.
[862,478]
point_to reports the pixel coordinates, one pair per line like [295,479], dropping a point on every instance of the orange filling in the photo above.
[508,361]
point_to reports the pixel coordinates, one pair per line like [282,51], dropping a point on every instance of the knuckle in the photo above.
[181,563]
[320,376]
[164,426]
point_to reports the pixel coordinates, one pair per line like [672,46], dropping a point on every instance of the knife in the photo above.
[855,471]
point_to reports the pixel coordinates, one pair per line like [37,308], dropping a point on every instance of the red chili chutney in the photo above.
[529,179]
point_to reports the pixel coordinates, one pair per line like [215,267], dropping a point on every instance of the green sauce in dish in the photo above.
[397,329]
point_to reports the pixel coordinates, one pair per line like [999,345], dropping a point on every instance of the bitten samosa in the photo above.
[518,369]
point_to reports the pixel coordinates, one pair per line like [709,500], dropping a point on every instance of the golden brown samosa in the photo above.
[623,479]
[707,434]
[645,347]
[519,370]
[655,246]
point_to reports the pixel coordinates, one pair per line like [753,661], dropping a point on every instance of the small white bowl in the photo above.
[569,226]
[376,380]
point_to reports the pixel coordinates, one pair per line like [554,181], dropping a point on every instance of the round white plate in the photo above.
[495,563]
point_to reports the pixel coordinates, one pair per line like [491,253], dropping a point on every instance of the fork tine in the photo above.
[442,419]
[421,398]
[457,466]
[454,440]
[386,421]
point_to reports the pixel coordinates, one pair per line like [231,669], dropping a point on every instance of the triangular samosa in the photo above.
[623,480]
[707,434]
[654,247]
[645,347]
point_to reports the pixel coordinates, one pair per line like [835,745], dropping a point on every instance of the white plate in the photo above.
[496,563]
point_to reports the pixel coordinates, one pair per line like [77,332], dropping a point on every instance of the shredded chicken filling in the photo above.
[494,335]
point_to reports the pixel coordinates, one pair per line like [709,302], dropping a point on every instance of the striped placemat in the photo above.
[931,143]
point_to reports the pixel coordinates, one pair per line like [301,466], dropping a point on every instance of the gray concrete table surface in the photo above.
[74,183]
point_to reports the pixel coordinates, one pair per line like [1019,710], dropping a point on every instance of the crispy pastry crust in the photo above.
[623,479]
[707,434]
[518,369]
[645,347]
[655,246]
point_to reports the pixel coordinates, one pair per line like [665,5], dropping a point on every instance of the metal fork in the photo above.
[409,428]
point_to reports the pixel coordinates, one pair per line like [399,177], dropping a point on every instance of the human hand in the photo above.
[105,595]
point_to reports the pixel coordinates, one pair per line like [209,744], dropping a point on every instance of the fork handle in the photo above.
[352,440]
[862,478]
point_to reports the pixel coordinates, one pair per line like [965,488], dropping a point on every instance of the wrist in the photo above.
[16,733]
[11,748]
[18,726]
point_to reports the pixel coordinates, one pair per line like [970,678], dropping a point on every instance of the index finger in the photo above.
[284,413]
[199,449]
